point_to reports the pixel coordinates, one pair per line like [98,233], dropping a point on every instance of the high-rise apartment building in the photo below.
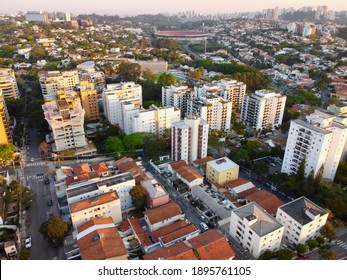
[36,16]
[155,120]
[263,109]
[177,96]
[228,89]
[89,100]
[8,83]
[189,139]
[5,134]
[95,77]
[214,109]
[65,117]
[320,140]
[52,81]
[115,95]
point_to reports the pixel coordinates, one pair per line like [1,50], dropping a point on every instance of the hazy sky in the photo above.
[157,6]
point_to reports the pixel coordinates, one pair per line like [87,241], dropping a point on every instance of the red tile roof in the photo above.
[189,173]
[177,164]
[236,183]
[163,212]
[178,251]
[211,245]
[100,167]
[97,221]
[88,203]
[166,230]
[81,169]
[128,165]
[247,192]
[75,179]
[102,244]
[203,160]
[139,232]
[268,201]
[188,229]
[124,226]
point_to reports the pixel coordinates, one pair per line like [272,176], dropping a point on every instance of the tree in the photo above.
[328,231]
[138,197]
[133,141]
[267,255]
[285,254]
[260,168]
[37,54]
[7,153]
[196,75]
[114,145]
[320,239]
[300,174]
[301,248]
[24,254]
[43,148]
[129,71]
[14,186]
[54,229]
[242,155]
[27,197]
[166,79]
[327,255]
[312,244]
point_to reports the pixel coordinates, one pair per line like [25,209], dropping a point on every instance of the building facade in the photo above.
[178,97]
[65,117]
[5,133]
[302,220]
[36,16]
[255,230]
[95,77]
[8,83]
[320,140]
[89,100]
[263,110]
[214,109]
[52,81]
[189,139]
[115,95]
[221,171]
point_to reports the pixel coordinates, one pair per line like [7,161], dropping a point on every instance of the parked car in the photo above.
[28,242]
[204,226]
[202,218]
[46,181]
[49,202]
[32,160]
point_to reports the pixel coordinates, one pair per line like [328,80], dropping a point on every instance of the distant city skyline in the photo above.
[132,7]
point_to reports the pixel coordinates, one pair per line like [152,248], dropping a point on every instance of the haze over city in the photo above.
[152,6]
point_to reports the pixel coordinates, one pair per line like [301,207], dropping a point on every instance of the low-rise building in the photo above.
[302,220]
[155,193]
[221,171]
[99,239]
[163,215]
[104,205]
[255,229]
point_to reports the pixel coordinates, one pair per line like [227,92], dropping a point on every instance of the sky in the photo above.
[131,7]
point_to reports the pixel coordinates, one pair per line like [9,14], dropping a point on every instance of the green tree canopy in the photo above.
[7,152]
[312,243]
[285,254]
[54,229]
[327,255]
[328,231]
[301,248]
[114,145]
[38,54]
[133,141]
[166,79]
[129,71]
[138,197]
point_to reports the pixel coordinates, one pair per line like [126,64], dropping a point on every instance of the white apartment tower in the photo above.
[189,139]
[66,119]
[263,109]
[52,81]
[228,89]
[115,95]
[177,96]
[302,220]
[8,83]
[255,229]
[214,109]
[321,140]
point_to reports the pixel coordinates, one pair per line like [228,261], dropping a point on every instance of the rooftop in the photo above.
[222,164]
[88,203]
[268,201]
[178,251]
[298,207]
[163,212]
[264,224]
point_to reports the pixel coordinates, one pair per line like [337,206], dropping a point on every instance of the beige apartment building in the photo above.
[5,134]
[221,171]
[8,83]
[89,100]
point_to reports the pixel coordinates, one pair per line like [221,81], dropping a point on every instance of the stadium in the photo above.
[182,35]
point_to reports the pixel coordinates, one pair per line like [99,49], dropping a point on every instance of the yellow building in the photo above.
[221,171]
[89,100]
[5,135]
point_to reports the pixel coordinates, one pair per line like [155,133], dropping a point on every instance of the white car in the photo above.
[28,242]
[32,160]
[204,226]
